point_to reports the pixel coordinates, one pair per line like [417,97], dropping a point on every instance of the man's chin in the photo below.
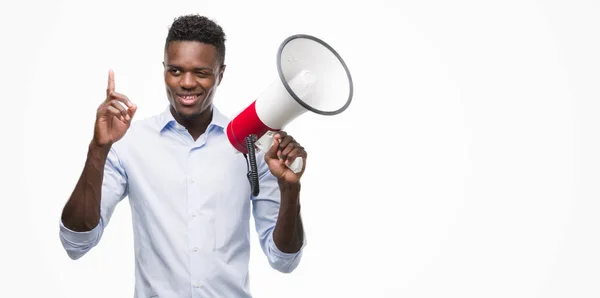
[188,115]
[186,112]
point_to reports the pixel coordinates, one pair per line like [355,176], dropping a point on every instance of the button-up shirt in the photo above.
[191,204]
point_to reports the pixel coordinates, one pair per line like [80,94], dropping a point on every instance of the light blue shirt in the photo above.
[190,204]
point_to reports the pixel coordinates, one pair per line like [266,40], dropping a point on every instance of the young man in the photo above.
[188,190]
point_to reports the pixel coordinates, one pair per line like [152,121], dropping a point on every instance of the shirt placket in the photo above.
[200,218]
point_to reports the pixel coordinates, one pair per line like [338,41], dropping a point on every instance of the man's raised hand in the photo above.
[112,118]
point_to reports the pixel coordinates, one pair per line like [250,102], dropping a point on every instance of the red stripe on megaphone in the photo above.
[245,124]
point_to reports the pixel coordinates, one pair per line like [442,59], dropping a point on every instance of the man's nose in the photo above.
[188,81]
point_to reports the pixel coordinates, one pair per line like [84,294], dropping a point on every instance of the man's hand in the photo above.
[282,153]
[112,119]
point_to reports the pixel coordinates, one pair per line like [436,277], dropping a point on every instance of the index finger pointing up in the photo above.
[111,83]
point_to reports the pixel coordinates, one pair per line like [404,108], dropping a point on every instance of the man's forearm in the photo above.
[289,233]
[82,212]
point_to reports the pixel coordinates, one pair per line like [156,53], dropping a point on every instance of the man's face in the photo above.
[192,73]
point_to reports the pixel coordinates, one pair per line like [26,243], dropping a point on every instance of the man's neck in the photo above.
[196,126]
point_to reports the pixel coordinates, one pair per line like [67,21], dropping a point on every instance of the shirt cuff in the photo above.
[79,238]
[286,255]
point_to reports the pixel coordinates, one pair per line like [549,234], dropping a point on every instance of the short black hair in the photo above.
[194,27]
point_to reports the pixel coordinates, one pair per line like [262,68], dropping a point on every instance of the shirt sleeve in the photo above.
[265,209]
[114,189]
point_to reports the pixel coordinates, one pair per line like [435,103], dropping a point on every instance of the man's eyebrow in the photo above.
[195,69]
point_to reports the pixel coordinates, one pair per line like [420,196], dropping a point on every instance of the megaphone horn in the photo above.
[312,77]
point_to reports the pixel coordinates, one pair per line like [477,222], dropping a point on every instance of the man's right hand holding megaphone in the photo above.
[281,155]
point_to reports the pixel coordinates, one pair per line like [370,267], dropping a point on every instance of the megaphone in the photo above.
[312,77]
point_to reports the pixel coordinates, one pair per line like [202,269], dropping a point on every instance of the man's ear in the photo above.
[222,70]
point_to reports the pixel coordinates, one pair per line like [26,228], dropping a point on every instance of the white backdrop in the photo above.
[466,166]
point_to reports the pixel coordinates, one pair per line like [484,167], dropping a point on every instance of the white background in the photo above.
[467,165]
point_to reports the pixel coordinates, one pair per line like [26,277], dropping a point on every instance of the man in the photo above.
[187,188]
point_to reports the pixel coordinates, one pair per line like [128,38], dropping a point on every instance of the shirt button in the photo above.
[195,249]
[194,215]
[197,285]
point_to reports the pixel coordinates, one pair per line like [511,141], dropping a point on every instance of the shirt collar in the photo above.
[218,120]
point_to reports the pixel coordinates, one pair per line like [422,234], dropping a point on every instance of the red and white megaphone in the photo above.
[312,77]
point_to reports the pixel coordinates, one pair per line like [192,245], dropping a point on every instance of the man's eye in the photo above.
[174,71]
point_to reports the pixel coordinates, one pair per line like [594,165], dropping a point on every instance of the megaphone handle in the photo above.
[265,143]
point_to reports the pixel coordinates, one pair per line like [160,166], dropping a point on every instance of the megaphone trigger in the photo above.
[266,141]
[296,165]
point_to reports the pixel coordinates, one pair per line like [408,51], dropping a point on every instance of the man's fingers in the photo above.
[111,110]
[117,105]
[120,97]
[274,149]
[113,105]
[280,135]
[131,110]
[111,94]
[297,152]
[286,141]
[285,151]
[111,83]
[116,108]
[292,147]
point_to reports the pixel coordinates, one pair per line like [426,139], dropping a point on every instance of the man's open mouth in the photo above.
[188,99]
